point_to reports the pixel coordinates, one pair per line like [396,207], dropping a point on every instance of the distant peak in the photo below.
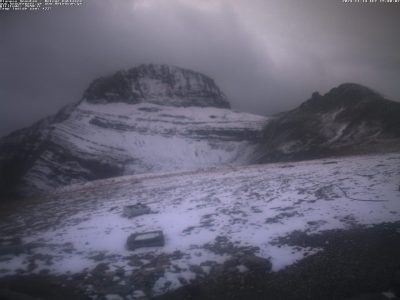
[353,90]
[344,95]
[158,67]
[157,83]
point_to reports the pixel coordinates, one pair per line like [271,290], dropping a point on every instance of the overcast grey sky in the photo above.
[266,55]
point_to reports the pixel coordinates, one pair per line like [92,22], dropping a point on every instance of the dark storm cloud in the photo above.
[266,55]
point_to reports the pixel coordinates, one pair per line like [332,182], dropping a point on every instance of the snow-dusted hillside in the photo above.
[130,139]
[235,214]
[180,120]
[349,119]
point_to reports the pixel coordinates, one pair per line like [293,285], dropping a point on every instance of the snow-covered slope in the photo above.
[129,139]
[228,218]
[147,119]
[348,119]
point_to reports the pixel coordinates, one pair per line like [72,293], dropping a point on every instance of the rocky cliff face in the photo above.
[159,84]
[348,119]
[148,119]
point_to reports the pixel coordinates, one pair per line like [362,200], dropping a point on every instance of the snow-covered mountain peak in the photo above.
[152,118]
[159,84]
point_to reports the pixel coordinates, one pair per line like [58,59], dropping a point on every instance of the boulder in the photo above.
[135,210]
[256,263]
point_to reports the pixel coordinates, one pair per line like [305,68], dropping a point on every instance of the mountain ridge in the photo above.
[180,120]
[347,119]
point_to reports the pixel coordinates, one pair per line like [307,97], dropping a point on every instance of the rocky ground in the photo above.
[323,229]
[359,263]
